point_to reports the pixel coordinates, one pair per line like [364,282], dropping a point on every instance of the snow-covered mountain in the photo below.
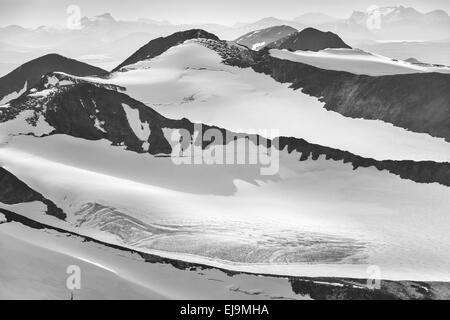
[358,61]
[309,39]
[157,46]
[29,74]
[264,23]
[337,89]
[384,23]
[258,39]
[404,23]
[101,40]
[105,41]
[90,159]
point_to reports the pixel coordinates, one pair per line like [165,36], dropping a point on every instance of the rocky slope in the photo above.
[29,74]
[90,111]
[309,39]
[157,46]
[14,191]
[419,102]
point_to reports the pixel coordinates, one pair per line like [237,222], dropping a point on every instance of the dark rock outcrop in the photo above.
[419,102]
[309,39]
[14,191]
[418,171]
[160,45]
[87,111]
[31,72]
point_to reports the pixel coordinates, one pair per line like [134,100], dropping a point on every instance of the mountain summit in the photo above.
[310,39]
[256,40]
[30,73]
[159,45]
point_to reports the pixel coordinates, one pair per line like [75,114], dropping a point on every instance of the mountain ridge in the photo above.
[30,73]
[88,111]
[310,39]
[159,45]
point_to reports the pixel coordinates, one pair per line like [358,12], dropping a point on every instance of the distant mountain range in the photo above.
[402,23]
[105,41]
[343,92]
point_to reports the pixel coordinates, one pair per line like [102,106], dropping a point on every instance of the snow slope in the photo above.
[191,81]
[354,61]
[277,224]
[34,265]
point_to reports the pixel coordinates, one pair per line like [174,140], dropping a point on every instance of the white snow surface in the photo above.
[191,81]
[141,130]
[354,61]
[34,265]
[248,222]
[258,45]
[21,125]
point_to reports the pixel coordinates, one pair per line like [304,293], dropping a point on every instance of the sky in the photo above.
[34,13]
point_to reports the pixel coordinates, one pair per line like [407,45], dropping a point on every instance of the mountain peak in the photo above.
[310,39]
[256,40]
[159,45]
[30,73]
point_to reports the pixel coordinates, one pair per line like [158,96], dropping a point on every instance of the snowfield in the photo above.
[355,61]
[34,265]
[20,125]
[273,224]
[191,81]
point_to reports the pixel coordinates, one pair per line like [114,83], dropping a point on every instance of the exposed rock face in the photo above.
[158,46]
[31,72]
[419,102]
[14,191]
[310,39]
[91,112]
[357,289]
[418,171]
[258,39]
